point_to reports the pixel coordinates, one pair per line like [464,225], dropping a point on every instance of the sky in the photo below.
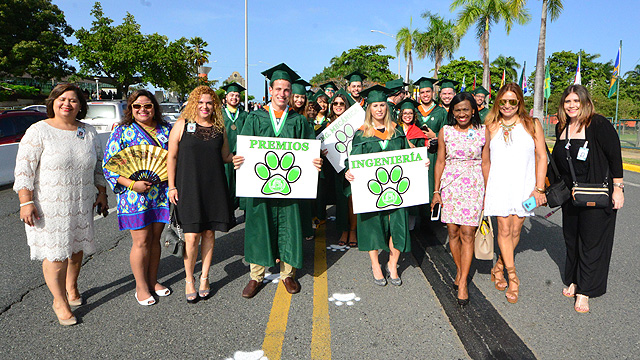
[307,34]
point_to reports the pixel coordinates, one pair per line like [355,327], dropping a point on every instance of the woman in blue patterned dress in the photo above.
[143,207]
[460,174]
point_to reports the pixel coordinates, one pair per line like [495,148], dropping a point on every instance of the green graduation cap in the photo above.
[355,76]
[376,93]
[425,82]
[318,94]
[407,103]
[395,85]
[310,95]
[280,72]
[342,92]
[299,87]
[233,87]
[447,83]
[329,85]
[480,90]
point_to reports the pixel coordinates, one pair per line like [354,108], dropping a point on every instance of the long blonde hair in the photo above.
[495,116]
[189,114]
[368,127]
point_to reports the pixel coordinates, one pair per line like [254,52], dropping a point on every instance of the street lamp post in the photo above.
[246,57]
[393,37]
[97,87]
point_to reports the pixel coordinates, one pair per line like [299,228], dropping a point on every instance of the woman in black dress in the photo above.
[594,146]
[198,149]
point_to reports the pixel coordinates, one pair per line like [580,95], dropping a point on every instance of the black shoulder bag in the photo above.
[173,239]
[588,195]
[557,193]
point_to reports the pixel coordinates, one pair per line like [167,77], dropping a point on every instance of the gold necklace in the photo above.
[506,131]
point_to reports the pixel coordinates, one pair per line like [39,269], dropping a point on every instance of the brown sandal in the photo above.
[513,278]
[497,275]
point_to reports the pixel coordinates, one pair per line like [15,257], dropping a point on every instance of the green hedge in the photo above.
[9,91]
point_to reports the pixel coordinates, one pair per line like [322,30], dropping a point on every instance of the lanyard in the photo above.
[278,123]
[233,118]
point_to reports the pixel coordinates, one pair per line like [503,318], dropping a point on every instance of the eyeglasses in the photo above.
[338,103]
[504,102]
[147,106]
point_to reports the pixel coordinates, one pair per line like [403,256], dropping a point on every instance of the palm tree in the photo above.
[553,8]
[484,14]
[509,64]
[201,55]
[439,41]
[405,41]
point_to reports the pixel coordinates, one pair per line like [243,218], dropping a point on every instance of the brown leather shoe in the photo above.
[292,286]
[251,289]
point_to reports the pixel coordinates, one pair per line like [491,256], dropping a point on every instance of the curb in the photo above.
[631,167]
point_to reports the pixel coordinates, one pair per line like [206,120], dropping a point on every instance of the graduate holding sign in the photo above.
[385,229]
[234,118]
[273,226]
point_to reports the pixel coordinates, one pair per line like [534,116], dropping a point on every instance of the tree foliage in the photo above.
[32,39]
[464,69]
[364,58]
[440,40]
[509,64]
[125,56]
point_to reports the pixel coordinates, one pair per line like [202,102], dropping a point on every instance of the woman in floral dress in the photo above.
[460,176]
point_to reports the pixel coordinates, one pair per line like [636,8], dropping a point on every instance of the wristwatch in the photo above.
[620,185]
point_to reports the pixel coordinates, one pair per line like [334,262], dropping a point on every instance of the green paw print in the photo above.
[391,195]
[278,183]
[344,139]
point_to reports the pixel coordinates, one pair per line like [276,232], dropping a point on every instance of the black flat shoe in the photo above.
[455,287]
[463,302]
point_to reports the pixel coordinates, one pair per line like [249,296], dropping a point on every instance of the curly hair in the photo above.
[127,119]
[413,121]
[190,112]
[61,89]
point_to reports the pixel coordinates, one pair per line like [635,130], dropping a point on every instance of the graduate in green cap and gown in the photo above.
[329,88]
[326,182]
[397,94]
[386,229]
[447,92]
[234,117]
[480,94]
[273,227]
[431,118]
[298,100]
[355,82]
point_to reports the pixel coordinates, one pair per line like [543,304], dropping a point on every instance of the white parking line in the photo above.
[101,217]
[626,183]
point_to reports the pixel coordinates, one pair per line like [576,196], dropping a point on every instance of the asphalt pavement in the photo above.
[339,312]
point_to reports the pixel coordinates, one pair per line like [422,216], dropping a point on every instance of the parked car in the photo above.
[105,115]
[14,123]
[171,111]
[40,108]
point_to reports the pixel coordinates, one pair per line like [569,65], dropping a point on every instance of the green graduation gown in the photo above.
[392,111]
[233,128]
[375,228]
[326,187]
[483,113]
[273,228]
[435,120]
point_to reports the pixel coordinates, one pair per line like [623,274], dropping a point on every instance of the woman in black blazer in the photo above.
[594,146]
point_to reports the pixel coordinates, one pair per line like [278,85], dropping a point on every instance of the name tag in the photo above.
[583,152]
[162,138]
[80,133]
[191,127]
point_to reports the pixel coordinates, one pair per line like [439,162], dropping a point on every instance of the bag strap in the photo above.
[573,173]
[554,167]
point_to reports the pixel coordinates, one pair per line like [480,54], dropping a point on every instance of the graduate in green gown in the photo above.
[355,83]
[326,182]
[329,88]
[298,100]
[447,92]
[431,118]
[273,226]
[386,229]
[480,94]
[234,117]
[397,94]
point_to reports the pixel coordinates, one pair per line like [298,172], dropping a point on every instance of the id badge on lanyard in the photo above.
[583,152]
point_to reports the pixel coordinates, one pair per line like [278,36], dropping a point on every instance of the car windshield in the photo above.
[101,111]
[170,108]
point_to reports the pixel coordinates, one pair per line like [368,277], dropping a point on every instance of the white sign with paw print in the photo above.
[389,180]
[277,167]
[337,137]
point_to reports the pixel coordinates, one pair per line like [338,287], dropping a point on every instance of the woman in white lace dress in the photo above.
[58,168]
[518,166]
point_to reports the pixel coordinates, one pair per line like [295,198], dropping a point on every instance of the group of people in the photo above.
[482,161]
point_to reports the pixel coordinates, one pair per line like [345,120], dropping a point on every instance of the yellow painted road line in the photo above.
[631,167]
[321,331]
[277,325]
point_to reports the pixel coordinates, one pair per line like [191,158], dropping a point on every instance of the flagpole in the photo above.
[618,80]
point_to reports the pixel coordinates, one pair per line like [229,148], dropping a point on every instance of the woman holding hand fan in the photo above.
[143,207]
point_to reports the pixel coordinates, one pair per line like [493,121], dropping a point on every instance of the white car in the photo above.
[171,111]
[39,108]
[105,115]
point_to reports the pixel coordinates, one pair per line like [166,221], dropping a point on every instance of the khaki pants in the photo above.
[257,271]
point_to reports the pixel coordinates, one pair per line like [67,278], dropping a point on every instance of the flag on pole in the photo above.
[474,80]
[578,78]
[613,87]
[503,76]
[463,86]
[547,82]
[523,79]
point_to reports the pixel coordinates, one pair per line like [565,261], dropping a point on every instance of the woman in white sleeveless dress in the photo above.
[517,172]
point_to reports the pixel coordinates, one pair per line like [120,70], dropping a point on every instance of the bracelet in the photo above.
[436,191]
[102,193]
[26,203]
[173,188]
[539,190]
[130,187]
